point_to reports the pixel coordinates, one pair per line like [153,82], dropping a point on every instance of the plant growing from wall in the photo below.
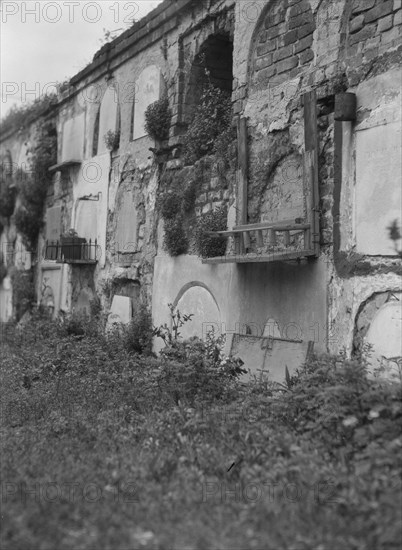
[112,140]
[208,246]
[33,187]
[175,239]
[157,119]
[212,118]
[169,204]
[175,200]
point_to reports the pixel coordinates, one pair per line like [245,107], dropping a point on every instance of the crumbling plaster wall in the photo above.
[281,50]
[332,47]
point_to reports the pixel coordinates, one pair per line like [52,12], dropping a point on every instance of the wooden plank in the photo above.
[246,240]
[287,238]
[245,229]
[272,236]
[311,165]
[267,225]
[260,258]
[260,238]
[242,169]
[307,239]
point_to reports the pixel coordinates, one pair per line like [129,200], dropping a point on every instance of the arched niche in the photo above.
[149,87]
[378,333]
[126,221]
[195,298]
[86,223]
[108,118]
[212,64]
[385,338]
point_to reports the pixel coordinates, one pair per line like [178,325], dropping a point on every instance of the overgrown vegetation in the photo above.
[198,460]
[21,117]
[207,245]
[157,119]
[175,201]
[211,130]
[33,186]
[8,194]
[138,334]
[23,291]
[112,140]
[175,240]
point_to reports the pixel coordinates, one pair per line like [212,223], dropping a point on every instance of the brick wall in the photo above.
[374,28]
[283,44]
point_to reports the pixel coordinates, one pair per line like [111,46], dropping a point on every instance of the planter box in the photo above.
[72,248]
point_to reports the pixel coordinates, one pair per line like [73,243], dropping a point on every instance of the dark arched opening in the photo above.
[212,65]
[95,135]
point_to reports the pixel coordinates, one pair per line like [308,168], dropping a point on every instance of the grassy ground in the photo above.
[103,449]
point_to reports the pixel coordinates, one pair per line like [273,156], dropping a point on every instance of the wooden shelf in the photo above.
[76,261]
[261,258]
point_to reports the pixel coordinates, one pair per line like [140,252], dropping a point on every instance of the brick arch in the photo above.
[281,43]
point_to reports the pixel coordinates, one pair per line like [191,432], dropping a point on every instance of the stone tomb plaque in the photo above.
[73,138]
[269,357]
[378,187]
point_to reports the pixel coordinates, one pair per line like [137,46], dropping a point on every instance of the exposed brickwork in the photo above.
[285,41]
[375,26]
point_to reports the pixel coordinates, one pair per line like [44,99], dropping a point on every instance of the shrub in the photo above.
[189,194]
[171,335]
[175,239]
[112,140]
[332,400]
[23,291]
[28,224]
[213,117]
[138,335]
[211,246]
[190,373]
[175,201]
[174,424]
[33,188]
[7,200]
[225,147]
[157,119]
[169,204]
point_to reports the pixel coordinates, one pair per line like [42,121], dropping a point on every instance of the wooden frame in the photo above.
[288,228]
